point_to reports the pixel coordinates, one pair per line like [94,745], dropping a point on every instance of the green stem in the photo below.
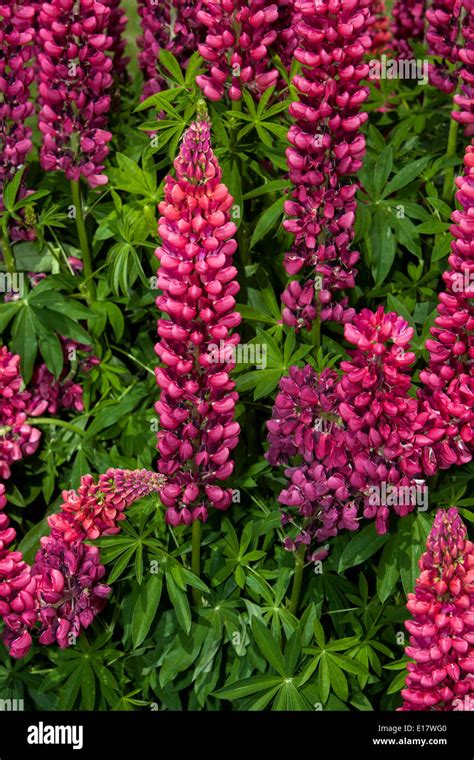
[7,251]
[53,421]
[83,241]
[196,557]
[448,185]
[133,358]
[297,580]
[317,332]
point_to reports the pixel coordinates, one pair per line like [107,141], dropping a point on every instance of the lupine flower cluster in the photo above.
[408,25]
[448,380]
[380,31]
[198,283]
[285,42]
[74,87]
[327,148]
[50,395]
[352,432]
[17,437]
[168,25]
[465,99]
[115,29]
[16,75]
[17,589]
[64,590]
[441,676]
[442,35]
[237,46]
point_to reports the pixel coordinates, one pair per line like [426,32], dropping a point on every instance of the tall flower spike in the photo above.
[465,99]
[448,393]
[74,86]
[353,439]
[441,676]
[380,32]
[442,35]
[17,589]
[98,508]
[327,147]
[198,283]
[408,25]
[115,29]
[236,47]
[64,591]
[16,75]
[167,25]
[17,438]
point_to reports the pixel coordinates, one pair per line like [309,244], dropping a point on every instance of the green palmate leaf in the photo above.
[382,169]
[7,312]
[24,341]
[180,603]
[441,247]
[324,679]
[113,411]
[169,62]
[288,698]
[415,532]
[338,679]
[70,691]
[59,323]
[11,190]
[247,687]
[269,187]
[406,175]
[145,608]
[267,220]
[361,546]
[87,686]
[268,646]
[398,683]
[382,244]
[396,305]
[121,564]
[52,353]
[388,571]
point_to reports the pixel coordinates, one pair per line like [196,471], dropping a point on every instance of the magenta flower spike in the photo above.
[198,282]
[359,436]
[167,25]
[465,98]
[17,605]
[380,32]
[408,24]
[327,148]
[448,393]
[115,29]
[64,590]
[75,80]
[442,36]
[239,35]
[441,628]
[16,75]
[17,437]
